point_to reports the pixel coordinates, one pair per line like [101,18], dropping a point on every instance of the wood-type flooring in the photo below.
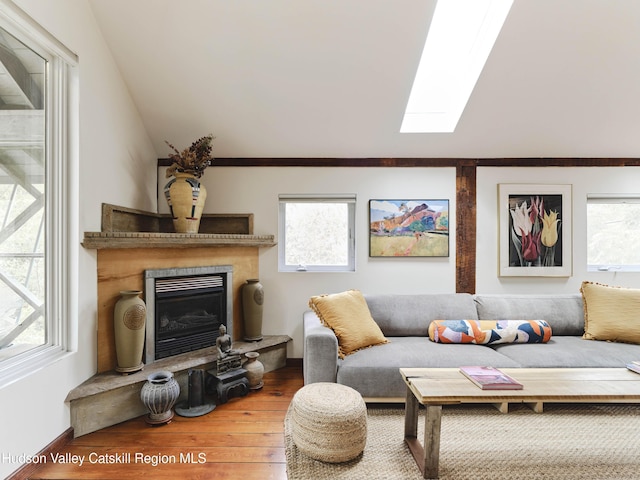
[242,439]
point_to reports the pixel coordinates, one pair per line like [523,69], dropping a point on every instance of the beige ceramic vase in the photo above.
[185,195]
[252,300]
[255,370]
[129,318]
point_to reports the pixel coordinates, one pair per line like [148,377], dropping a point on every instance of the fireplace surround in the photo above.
[185,308]
[132,242]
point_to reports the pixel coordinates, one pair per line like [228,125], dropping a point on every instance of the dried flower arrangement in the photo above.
[192,160]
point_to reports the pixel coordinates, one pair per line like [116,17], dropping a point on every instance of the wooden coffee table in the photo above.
[435,387]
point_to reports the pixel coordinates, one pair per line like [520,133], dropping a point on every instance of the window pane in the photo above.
[613,233]
[317,234]
[22,197]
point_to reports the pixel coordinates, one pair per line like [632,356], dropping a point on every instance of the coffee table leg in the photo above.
[427,457]
[411,415]
[432,428]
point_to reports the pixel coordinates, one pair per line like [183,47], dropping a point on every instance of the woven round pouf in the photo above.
[329,422]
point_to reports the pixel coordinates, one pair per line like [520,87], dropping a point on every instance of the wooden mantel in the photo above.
[132,241]
[98,240]
[123,227]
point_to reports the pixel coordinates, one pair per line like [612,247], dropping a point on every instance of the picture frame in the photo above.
[409,228]
[535,235]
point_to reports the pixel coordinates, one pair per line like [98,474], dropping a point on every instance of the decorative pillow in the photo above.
[489,332]
[611,313]
[347,314]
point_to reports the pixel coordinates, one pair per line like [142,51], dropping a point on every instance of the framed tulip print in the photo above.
[535,230]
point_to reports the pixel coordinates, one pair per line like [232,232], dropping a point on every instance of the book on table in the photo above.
[490,378]
[634,366]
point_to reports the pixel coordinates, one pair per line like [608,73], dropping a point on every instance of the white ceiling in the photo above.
[330,78]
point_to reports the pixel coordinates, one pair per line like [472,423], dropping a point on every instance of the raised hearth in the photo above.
[110,398]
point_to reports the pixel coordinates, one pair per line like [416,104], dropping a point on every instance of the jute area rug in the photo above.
[590,442]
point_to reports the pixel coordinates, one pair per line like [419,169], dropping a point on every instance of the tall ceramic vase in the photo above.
[252,300]
[129,317]
[185,196]
[159,394]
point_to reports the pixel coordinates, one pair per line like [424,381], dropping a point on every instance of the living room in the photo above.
[548,92]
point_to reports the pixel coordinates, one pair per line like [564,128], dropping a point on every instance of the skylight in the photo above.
[460,38]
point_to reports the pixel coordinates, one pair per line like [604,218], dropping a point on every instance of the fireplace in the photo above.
[185,308]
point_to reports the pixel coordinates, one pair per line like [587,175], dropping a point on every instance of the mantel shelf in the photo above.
[99,240]
[124,227]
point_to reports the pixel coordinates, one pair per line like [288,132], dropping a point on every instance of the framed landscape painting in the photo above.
[408,228]
[535,230]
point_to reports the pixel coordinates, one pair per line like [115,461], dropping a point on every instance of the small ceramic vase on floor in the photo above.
[255,370]
[159,394]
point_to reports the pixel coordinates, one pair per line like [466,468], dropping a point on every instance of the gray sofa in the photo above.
[404,320]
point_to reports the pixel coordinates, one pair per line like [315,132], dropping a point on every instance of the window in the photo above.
[613,233]
[317,233]
[461,36]
[36,226]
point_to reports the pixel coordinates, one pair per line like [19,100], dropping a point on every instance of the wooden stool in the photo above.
[329,422]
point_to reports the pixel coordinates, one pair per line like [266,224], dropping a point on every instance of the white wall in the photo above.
[255,190]
[584,181]
[117,165]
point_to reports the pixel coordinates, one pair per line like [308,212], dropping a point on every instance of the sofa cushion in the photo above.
[348,316]
[611,313]
[563,313]
[569,352]
[374,372]
[489,332]
[409,315]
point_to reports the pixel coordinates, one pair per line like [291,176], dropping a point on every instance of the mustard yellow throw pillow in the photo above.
[347,314]
[611,313]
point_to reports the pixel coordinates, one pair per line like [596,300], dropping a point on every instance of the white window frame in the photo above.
[611,198]
[348,199]
[61,195]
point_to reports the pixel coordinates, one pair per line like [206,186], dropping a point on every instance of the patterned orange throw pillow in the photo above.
[489,332]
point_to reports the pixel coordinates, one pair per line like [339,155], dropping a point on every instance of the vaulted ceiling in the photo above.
[317,78]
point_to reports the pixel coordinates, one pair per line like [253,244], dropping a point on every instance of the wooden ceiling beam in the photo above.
[419,162]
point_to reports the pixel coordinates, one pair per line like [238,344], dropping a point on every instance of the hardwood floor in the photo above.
[242,439]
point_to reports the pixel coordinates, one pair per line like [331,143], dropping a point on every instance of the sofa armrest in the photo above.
[320,355]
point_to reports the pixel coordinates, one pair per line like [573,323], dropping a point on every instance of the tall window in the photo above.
[613,233]
[35,191]
[317,233]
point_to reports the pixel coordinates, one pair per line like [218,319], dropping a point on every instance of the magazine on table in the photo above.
[634,366]
[490,378]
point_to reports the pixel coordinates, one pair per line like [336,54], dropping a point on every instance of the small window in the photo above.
[613,233]
[317,233]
